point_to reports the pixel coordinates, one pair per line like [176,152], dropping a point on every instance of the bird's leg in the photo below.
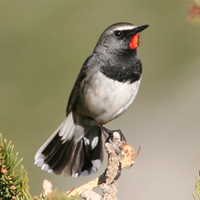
[108,131]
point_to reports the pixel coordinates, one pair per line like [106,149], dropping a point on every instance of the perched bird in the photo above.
[106,86]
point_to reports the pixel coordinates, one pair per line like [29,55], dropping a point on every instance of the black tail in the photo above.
[65,152]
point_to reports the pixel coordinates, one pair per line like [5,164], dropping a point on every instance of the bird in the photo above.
[106,86]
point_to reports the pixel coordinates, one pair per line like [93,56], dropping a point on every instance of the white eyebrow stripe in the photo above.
[127,27]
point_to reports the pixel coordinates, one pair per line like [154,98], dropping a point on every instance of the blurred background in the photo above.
[43,46]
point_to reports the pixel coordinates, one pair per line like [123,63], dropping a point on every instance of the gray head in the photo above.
[119,37]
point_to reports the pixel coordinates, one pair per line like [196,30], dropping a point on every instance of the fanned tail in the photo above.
[71,149]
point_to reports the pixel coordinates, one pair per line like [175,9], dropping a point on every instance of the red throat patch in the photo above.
[134,41]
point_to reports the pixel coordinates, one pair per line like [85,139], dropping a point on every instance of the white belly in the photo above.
[105,99]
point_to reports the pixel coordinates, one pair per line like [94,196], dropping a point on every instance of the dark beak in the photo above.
[140,28]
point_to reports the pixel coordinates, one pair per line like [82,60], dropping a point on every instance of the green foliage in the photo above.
[197,186]
[13,178]
[55,195]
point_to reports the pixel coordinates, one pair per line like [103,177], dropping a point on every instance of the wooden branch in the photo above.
[46,188]
[120,155]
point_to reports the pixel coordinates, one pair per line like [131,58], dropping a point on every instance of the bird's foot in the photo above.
[111,132]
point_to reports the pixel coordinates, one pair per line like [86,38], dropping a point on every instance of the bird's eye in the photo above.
[118,33]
